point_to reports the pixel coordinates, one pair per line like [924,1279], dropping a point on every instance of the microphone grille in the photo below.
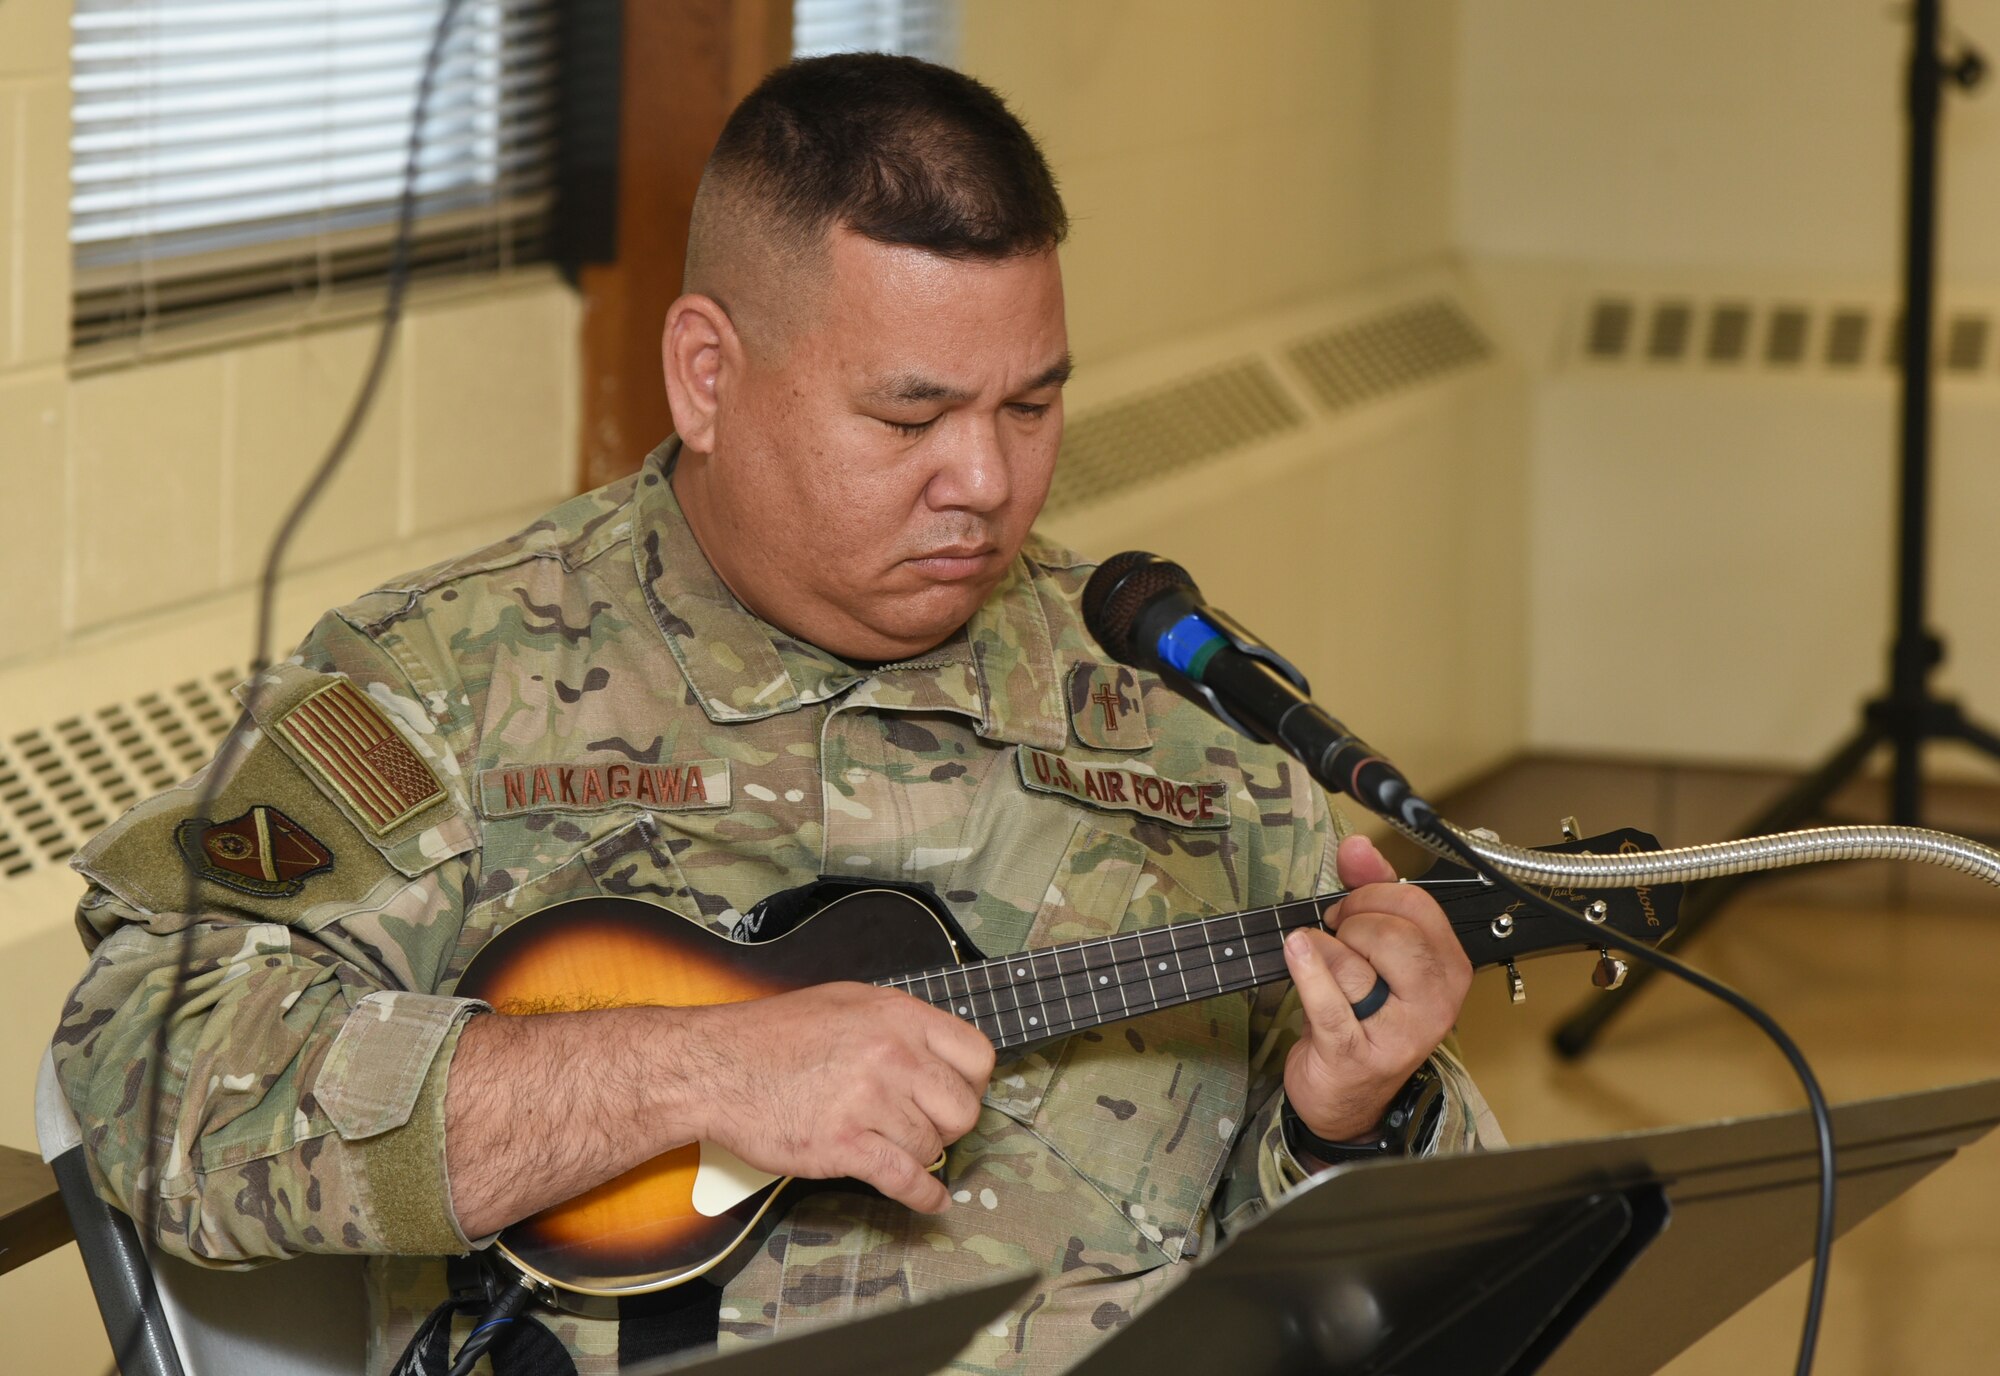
[1121,588]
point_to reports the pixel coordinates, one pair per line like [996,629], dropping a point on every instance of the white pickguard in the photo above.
[724,1180]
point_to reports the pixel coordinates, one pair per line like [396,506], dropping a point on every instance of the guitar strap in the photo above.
[674,1320]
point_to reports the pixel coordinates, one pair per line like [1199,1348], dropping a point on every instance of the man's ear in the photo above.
[698,349]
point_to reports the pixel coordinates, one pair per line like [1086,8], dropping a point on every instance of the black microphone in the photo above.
[1148,613]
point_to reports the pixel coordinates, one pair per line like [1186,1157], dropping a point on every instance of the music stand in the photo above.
[914,1340]
[1598,1258]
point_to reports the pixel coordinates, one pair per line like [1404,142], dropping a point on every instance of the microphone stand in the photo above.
[1909,714]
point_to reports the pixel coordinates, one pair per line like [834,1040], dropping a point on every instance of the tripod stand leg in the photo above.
[1978,737]
[1803,801]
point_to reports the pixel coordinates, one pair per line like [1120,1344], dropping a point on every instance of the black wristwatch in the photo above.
[1407,1125]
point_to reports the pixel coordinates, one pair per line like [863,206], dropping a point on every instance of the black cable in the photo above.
[1603,936]
[486,1332]
[147,1183]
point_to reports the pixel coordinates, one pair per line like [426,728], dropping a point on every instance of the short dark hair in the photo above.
[897,150]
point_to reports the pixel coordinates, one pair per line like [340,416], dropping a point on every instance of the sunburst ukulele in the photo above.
[676,1216]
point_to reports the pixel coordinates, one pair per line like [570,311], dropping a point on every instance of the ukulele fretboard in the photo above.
[1035,995]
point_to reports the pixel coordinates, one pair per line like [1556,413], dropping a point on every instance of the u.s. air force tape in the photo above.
[1122,788]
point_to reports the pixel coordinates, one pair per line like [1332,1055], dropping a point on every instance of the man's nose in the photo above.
[974,475]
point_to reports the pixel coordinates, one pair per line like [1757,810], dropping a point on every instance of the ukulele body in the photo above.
[674,1217]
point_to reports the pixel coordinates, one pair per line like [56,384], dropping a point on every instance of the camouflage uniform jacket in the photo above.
[585,709]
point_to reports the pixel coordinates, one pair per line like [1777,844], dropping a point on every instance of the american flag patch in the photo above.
[351,745]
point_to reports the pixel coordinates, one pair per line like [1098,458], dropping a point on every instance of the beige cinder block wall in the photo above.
[133,489]
[1223,163]
[1220,160]
[132,492]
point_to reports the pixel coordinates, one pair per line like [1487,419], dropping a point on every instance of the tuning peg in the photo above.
[1570,830]
[1610,971]
[1517,989]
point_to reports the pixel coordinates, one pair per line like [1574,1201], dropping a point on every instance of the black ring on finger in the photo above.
[1374,999]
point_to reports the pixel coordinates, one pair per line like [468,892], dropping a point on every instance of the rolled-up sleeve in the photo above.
[286,957]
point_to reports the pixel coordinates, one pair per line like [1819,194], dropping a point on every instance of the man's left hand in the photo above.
[1343,1072]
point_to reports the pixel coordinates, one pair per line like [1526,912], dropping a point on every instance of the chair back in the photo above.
[168,1317]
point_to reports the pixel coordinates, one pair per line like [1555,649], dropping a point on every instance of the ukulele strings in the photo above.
[1120,975]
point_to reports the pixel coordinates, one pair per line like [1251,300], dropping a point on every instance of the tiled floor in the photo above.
[1888,979]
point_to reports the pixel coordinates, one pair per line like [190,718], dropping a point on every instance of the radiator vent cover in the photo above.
[1788,335]
[60,784]
[1204,415]
[1168,428]
[1386,353]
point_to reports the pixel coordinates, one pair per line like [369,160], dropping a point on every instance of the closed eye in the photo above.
[911,428]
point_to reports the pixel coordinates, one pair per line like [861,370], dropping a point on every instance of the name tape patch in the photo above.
[1125,790]
[595,785]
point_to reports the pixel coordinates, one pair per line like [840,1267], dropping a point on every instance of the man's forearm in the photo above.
[539,1109]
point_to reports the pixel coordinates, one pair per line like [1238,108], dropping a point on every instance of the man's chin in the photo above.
[922,621]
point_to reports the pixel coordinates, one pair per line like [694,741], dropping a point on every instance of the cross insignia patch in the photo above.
[1105,709]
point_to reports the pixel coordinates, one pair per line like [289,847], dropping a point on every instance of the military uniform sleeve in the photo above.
[1262,1168]
[300,1102]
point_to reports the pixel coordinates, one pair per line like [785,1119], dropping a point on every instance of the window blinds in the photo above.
[225,151]
[921,28]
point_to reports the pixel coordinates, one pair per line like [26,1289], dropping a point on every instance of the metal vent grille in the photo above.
[1785,342]
[60,784]
[1672,327]
[1161,431]
[1847,339]
[1360,362]
[1965,344]
[1729,333]
[1610,327]
[1788,336]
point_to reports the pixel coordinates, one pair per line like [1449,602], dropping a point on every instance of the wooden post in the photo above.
[686,65]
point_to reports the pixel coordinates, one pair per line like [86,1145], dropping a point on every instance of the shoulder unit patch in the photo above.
[344,738]
[262,852]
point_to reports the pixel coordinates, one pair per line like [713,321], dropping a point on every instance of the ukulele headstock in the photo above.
[1496,928]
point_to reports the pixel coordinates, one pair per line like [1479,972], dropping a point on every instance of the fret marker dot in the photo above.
[1034,1022]
[1163,965]
[1229,950]
[1022,970]
[1104,979]
[963,1009]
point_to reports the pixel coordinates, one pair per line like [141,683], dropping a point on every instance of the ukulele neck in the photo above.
[1035,995]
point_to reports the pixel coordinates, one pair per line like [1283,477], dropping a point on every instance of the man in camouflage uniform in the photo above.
[810,637]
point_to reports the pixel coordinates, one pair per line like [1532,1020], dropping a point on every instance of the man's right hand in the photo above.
[844,1080]
[835,1080]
